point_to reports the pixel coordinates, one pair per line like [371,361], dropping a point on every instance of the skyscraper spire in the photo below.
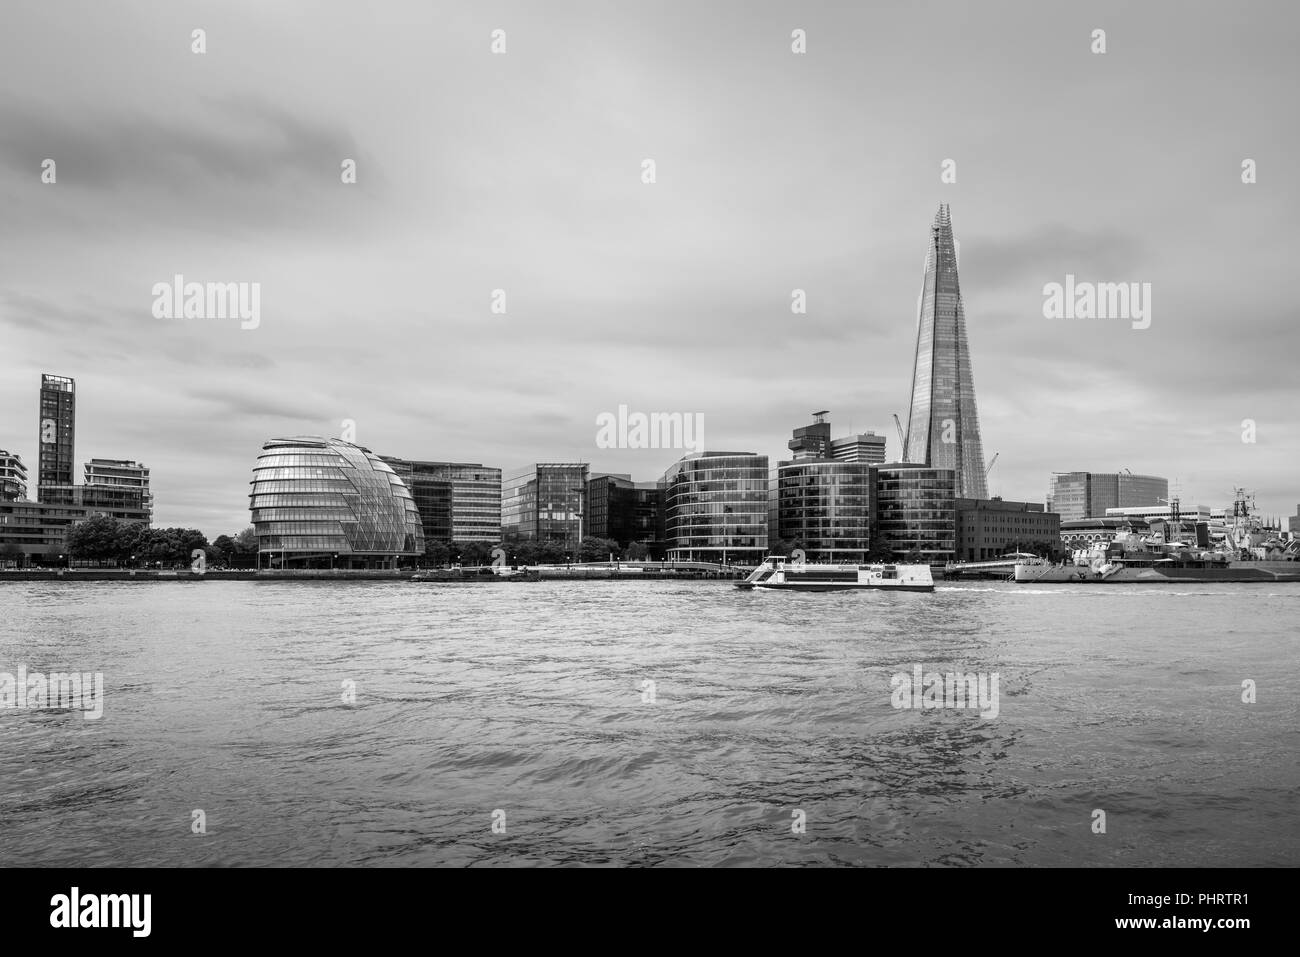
[943,428]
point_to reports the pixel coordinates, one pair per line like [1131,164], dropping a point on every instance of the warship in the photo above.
[1177,550]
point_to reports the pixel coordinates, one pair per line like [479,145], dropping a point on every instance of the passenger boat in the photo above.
[777,572]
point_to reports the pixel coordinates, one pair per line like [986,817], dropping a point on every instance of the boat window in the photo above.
[889,573]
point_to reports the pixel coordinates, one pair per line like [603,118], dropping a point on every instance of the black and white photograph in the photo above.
[708,436]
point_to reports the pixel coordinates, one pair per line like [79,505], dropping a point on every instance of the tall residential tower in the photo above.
[56,432]
[943,429]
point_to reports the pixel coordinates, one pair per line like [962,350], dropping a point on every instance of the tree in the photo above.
[246,541]
[96,539]
[436,552]
[636,552]
[597,549]
[476,553]
[551,553]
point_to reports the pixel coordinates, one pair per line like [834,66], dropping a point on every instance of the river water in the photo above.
[653,723]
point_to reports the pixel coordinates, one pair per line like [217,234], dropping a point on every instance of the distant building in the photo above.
[13,477]
[625,511]
[715,508]
[1079,495]
[326,503]
[914,512]
[40,529]
[119,485]
[1293,522]
[990,528]
[1084,532]
[819,503]
[943,429]
[544,502]
[459,502]
[56,432]
[866,448]
[812,441]
[1190,513]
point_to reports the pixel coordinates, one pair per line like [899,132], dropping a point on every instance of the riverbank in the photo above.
[574,573]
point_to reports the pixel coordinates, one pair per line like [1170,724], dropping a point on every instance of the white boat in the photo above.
[778,573]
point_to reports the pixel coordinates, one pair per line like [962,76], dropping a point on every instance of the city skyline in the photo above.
[674,296]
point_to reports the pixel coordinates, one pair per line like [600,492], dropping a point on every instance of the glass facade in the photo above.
[324,502]
[942,424]
[1079,495]
[915,515]
[56,432]
[824,507]
[544,502]
[458,501]
[716,508]
[624,511]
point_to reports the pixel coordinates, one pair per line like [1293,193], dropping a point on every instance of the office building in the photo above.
[988,529]
[819,503]
[326,503]
[866,448]
[716,508]
[943,430]
[625,511]
[544,502]
[459,502]
[1080,495]
[914,512]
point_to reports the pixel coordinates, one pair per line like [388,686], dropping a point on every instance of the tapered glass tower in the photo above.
[943,429]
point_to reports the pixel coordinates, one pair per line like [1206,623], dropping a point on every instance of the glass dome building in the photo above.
[326,503]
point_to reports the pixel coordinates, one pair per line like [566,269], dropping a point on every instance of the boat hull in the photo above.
[1268,572]
[830,586]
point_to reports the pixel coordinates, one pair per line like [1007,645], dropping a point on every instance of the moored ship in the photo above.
[779,574]
[1247,552]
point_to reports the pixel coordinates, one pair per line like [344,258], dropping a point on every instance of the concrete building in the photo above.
[13,477]
[991,528]
[866,448]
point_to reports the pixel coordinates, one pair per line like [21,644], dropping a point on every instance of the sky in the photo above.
[522,171]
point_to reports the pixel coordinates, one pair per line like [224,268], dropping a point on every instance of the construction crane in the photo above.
[902,442]
[989,468]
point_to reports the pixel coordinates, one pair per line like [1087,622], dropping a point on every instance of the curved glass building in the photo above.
[326,503]
[824,507]
[915,512]
[715,508]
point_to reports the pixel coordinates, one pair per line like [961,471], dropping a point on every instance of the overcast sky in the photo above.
[523,172]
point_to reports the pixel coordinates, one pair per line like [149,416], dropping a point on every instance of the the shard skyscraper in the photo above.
[943,428]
